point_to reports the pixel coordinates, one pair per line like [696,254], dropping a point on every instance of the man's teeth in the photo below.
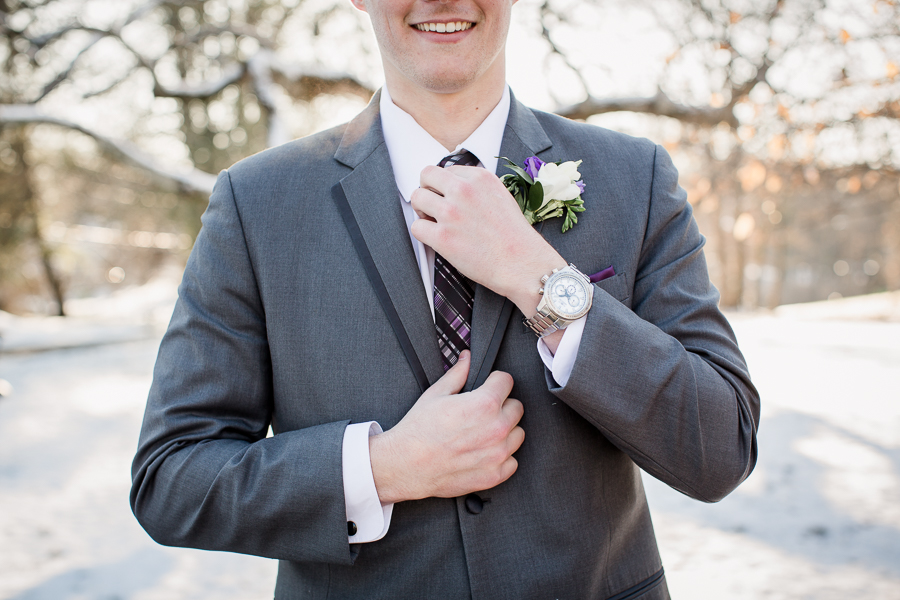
[444,27]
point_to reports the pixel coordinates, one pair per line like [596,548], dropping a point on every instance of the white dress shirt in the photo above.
[411,149]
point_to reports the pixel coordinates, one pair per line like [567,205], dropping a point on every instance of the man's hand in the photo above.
[450,444]
[470,219]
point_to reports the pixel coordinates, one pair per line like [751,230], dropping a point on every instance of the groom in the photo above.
[362,292]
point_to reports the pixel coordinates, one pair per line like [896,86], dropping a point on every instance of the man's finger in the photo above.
[514,440]
[508,468]
[425,230]
[455,377]
[499,385]
[435,177]
[513,410]
[422,215]
[469,172]
[427,202]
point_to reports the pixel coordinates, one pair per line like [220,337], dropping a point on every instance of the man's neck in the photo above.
[449,118]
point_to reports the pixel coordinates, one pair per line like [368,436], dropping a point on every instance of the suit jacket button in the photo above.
[351,528]
[474,504]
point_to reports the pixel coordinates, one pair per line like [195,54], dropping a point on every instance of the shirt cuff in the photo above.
[560,364]
[364,509]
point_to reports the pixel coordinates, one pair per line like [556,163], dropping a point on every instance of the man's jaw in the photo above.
[444,26]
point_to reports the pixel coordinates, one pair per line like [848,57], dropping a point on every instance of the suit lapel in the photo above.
[373,198]
[523,137]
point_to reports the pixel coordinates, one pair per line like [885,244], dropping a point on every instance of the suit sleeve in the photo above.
[205,475]
[665,381]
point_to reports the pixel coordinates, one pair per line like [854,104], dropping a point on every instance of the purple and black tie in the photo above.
[453,293]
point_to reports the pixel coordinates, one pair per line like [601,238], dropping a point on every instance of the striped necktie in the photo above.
[453,293]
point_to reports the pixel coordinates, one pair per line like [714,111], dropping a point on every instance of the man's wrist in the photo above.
[524,287]
[385,470]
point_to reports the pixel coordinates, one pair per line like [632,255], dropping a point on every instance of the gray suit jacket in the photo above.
[302,307]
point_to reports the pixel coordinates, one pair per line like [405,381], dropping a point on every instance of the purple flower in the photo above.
[532,165]
[580,185]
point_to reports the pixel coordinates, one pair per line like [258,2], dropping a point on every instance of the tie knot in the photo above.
[463,158]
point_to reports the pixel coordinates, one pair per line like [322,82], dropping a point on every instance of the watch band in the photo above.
[543,323]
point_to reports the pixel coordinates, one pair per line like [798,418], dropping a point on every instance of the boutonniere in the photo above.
[546,190]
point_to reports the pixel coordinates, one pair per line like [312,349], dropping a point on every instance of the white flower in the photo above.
[558,181]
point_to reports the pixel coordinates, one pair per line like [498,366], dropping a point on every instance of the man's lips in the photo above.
[444,26]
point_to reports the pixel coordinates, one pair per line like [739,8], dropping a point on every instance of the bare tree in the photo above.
[208,50]
[228,70]
[763,89]
[775,101]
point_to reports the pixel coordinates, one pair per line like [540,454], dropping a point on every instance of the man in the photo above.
[314,301]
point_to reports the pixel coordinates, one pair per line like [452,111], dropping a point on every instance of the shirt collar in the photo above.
[411,148]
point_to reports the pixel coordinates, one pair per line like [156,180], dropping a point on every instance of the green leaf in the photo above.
[521,173]
[520,199]
[518,170]
[535,196]
[569,221]
[554,208]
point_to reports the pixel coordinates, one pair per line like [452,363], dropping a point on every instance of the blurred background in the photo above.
[783,118]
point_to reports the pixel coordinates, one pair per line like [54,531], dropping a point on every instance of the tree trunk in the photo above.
[46,253]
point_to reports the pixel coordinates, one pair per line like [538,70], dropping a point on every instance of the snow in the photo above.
[819,517]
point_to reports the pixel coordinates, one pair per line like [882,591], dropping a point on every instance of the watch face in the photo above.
[568,294]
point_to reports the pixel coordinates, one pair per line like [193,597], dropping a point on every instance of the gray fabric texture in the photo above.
[276,323]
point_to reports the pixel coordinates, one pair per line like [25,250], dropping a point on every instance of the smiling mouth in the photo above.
[444,27]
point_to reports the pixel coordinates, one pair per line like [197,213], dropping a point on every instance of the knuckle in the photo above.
[497,431]
[499,455]
[451,212]
[503,473]
[490,400]
[440,235]
[486,480]
[516,407]
[467,189]
[502,378]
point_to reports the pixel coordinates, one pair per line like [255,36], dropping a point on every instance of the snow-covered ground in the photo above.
[818,519]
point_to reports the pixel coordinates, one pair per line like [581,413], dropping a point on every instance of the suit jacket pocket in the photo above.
[652,588]
[616,286]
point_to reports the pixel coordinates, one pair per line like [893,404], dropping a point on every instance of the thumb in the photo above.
[455,377]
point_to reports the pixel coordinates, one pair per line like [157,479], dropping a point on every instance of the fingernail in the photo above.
[464,355]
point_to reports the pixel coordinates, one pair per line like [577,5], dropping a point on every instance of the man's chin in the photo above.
[443,82]
[452,75]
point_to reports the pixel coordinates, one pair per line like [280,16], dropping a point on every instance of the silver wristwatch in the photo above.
[566,297]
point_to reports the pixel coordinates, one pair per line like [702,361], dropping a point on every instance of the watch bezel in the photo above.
[587,286]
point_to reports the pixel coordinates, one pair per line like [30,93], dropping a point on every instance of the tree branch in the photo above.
[208,30]
[260,70]
[64,74]
[554,49]
[108,87]
[660,104]
[232,73]
[304,83]
[193,181]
